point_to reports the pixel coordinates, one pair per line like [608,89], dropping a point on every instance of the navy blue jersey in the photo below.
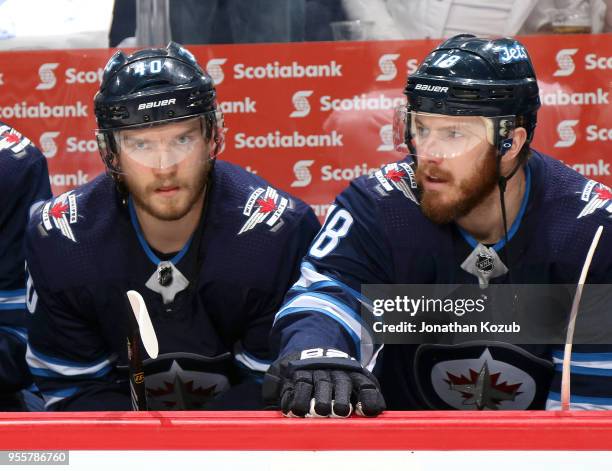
[85,250]
[24,181]
[376,233]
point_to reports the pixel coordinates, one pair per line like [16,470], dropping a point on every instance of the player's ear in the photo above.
[519,137]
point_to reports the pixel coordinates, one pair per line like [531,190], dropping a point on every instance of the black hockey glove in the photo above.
[322,382]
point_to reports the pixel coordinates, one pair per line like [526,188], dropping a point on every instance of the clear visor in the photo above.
[439,136]
[191,141]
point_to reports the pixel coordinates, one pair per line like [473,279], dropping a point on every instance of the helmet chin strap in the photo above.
[502,182]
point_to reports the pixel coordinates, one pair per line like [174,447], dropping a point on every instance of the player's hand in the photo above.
[322,382]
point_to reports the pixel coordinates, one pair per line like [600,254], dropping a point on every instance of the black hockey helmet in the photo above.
[471,76]
[154,86]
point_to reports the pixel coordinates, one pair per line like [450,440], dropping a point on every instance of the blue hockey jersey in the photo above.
[85,250]
[24,181]
[376,234]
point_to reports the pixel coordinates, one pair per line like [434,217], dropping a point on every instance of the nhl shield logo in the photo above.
[481,376]
[60,213]
[264,206]
[484,262]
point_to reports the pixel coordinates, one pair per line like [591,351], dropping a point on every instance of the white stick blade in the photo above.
[147,333]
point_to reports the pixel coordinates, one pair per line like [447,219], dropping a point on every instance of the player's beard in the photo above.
[173,209]
[469,192]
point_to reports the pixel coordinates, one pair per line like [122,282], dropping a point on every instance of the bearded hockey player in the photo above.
[24,182]
[210,247]
[471,189]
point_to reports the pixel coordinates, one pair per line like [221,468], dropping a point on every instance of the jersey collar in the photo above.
[145,246]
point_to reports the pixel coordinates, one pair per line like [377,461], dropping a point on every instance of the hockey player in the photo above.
[471,190]
[24,182]
[210,247]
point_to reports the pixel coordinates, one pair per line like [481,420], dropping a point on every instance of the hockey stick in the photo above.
[141,329]
[567,354]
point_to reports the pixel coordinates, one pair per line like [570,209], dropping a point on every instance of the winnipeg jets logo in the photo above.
[12,140]
[61,213]
[597,196]
[482,389]
[482,383]
[399,177]
[263,206]
[175,383]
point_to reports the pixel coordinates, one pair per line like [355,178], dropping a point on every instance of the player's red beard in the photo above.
[468,193]
[173,209]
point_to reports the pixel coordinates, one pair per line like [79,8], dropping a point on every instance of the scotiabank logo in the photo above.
[47,76]
[565,62]
[301,170]
[48,146]
[592,169]
[566,65]
[276,140]
[386,138]
[42,110]
[567,135]
[594,62]
[387,67]
[241,106]
[48,80]
[595,133]
[81,146]
[73,145]
[561,98]
[361,102]
[69,179]
[301,104]
[276,70]
[330,173]
[74,75]
[213,67]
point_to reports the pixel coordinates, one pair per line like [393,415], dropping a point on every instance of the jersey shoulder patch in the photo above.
[265,205]
[595,196]
[13,142]
[398,176]
[257,204]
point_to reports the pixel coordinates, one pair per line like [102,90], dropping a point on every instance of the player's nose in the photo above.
[166,162]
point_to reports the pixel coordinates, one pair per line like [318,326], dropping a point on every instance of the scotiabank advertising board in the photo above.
[309,117]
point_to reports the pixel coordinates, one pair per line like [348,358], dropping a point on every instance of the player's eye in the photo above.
[140,144]
[454,134]
[184,139]
[422,131]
